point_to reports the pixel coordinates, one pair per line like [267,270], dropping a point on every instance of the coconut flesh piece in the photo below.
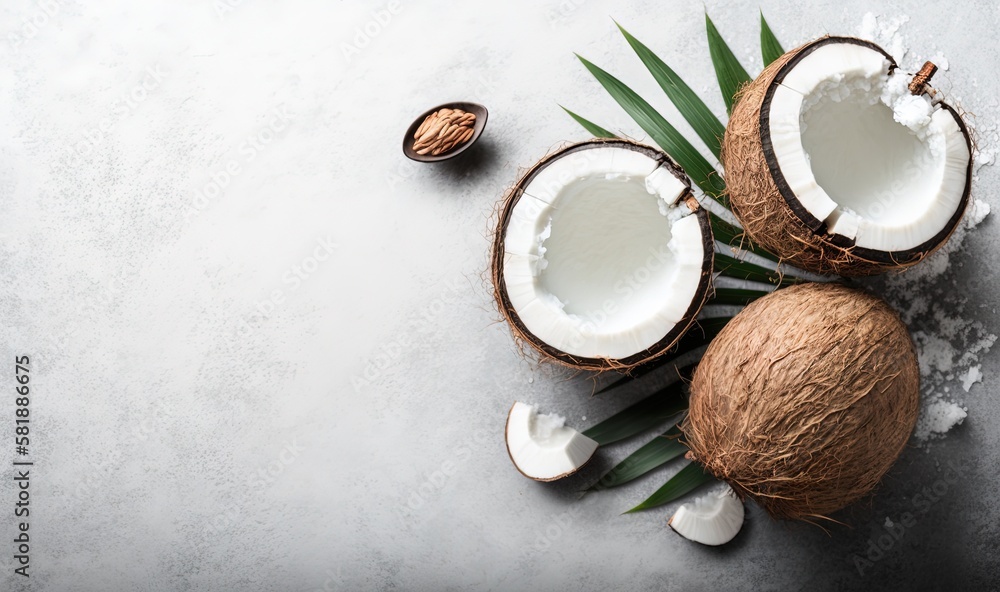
[714,519]
[542,447]
[882,167]
[605,256]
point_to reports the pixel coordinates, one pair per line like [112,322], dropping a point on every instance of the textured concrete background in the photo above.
[262,354]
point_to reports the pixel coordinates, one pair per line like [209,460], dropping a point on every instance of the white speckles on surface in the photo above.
[973,375]
[938,417]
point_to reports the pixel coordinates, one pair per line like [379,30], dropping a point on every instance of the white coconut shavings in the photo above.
[884,31]
[541,263]
[940,61]
[987,139]
[949,350]
[672,212]
[937,418]
[971,377]
[546,424]
[662,184]
[949,342]
[836,89]
[913,111]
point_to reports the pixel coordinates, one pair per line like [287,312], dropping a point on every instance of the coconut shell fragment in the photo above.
[805,399]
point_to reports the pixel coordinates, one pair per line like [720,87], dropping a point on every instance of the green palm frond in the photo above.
[691,477]
[770,48]
[656,453]
[655,410]
[730,73]
[702,120]
[593,128]
[663,133]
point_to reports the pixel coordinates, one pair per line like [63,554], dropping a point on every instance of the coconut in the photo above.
[839,162]
[543,447]
[714,519]
[602,258]
[805,399]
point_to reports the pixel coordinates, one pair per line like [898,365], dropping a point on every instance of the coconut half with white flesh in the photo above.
[602,257]
[839,162]
[714,519]
[542,447]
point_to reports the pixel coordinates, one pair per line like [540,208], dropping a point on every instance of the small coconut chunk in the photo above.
[542,447]
[714,519]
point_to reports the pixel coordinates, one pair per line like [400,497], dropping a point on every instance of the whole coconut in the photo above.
[805,399]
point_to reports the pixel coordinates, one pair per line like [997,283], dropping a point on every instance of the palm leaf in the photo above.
[734,268]
[691,477]
[727,233]
[736,296]
[702,120]
[664,134]
[593,128]
[728,69]
[692,340]
[770,48]
[650,412]
[661,450]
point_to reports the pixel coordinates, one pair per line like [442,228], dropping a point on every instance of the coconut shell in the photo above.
[766,206]
[548,353]
[805,399]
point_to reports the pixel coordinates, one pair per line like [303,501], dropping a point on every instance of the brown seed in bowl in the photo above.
[443,130]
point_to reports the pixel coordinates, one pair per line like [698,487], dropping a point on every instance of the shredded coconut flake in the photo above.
[912,111]
[547,424]
[971,377]
[937,418]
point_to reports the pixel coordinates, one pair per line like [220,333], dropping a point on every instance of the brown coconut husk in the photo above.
[805,399]
[547,353]
[765,205]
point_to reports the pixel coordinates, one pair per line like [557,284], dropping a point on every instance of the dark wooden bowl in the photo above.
[478,110]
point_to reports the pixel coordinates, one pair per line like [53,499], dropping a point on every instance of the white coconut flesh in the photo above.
[882,167]
[714,519]
[542,447]
[600,260]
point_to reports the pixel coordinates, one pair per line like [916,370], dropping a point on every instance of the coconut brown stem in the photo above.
[921,78]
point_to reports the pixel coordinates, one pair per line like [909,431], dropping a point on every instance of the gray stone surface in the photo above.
[206,419]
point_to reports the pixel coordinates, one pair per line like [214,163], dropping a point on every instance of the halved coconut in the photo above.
[602,257]
[840,163]
[542,447]
[714,519]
